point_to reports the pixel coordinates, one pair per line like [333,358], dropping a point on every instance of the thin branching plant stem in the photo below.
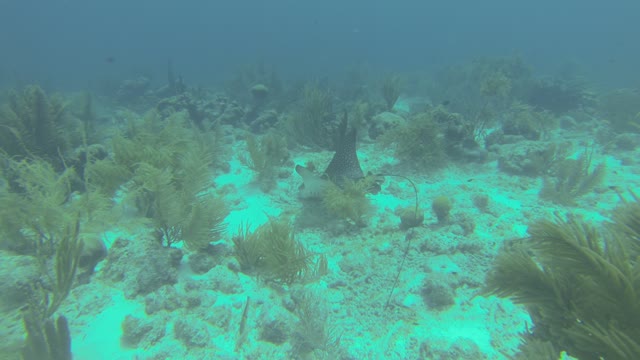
[406,251]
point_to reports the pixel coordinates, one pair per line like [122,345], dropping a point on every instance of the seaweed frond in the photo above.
[32,125]
[107,176]
[170,166]
[310,124]
[535,349]
[264,156]
[204,222]
[272,252]
[48,340]
[573,178]
[66,264]
[579,283]
[39,196]
[314,334]
[247,249]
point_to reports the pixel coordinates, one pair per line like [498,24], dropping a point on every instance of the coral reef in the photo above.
[346,271]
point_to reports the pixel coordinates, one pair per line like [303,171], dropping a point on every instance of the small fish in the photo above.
[445,102]
[110,60]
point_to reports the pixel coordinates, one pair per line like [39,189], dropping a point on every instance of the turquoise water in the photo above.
[299,180]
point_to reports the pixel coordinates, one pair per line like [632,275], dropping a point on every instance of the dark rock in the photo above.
[141,332]
[436,294]
[18,274]
[275,332]
[191,332]
[143,265]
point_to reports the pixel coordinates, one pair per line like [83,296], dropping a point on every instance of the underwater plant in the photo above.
[272,252]
[153,141]
[311,122]
[578,282]
[33,206]
[350,201]
[177,203]
[314,335]
[410,218]
[46,339]
[38,206]
[265,156]
[573,178]
[441,206]
[419,141]
[143,141]
[106,175]
[32,124]
[84,111]
[535,349]
[40,218]
[166,165]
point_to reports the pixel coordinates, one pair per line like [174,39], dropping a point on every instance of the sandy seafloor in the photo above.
[363,263]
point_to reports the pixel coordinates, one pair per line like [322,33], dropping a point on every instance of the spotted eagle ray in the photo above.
[344,166]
